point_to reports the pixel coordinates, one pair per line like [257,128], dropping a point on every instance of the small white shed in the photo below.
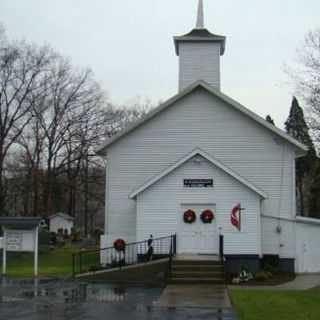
[60,221]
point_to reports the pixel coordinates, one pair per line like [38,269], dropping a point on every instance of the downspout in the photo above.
[279,228]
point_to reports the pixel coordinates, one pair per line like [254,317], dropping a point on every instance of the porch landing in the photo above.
[196,257]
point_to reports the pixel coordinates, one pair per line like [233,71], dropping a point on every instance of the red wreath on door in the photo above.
[207,216]
[189,216]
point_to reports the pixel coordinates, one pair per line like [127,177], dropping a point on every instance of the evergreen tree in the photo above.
[269,119]
[297,127]
[314,201]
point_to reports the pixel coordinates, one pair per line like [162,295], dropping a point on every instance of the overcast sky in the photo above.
[128,44]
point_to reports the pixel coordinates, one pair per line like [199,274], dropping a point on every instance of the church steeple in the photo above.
[200,16]
[199,54]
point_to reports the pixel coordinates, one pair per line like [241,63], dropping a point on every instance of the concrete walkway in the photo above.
[301,282]
[198,301]
[195,296]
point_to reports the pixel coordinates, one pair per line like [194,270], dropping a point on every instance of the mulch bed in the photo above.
[277,279]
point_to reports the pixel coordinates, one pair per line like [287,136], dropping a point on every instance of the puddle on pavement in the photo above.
[80,293]
[65,300]
[69,292]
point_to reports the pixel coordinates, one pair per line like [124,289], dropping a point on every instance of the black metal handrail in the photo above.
[221,247]
[173,251]
[134,253]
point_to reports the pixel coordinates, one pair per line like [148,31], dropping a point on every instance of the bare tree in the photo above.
[306,75]
[53,116]
[117,118]
[70,97]
[32,148]
[21,69]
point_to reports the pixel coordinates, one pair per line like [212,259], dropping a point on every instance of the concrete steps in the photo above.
[195,262]
[196,272]
[196,280]
[195,268]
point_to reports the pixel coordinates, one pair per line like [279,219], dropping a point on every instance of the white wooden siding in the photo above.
[197,120]
[299,239]
[279,243]
[308,248]
[199,61]
[159,206]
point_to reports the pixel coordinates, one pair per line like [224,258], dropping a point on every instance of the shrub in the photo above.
[245,268]
[270,263]
[269,268]
[263,275]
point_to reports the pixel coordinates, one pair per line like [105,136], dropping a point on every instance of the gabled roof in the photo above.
[217,93]
[200,35]
[61,215]
[187,157]
[20,223]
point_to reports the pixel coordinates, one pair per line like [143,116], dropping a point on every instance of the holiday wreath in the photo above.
[119,245]
[189,216]
[207,216]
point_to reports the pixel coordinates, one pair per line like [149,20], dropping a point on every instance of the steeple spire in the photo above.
[200,16]
[199,54]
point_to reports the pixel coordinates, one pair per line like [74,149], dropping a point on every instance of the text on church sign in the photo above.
[14,241]
[198,183]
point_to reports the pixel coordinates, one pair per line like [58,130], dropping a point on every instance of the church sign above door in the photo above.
[198,183]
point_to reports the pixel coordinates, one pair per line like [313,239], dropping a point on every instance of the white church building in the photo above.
[203,151]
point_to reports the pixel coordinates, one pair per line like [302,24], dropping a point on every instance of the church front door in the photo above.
[197,237]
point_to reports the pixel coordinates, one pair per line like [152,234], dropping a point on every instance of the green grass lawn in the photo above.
[57,262]
[274,305]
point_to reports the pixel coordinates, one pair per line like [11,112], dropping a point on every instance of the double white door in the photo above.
[197,237]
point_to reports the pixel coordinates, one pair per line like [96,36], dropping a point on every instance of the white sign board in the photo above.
[20,240]
[1,243]
[14,241]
